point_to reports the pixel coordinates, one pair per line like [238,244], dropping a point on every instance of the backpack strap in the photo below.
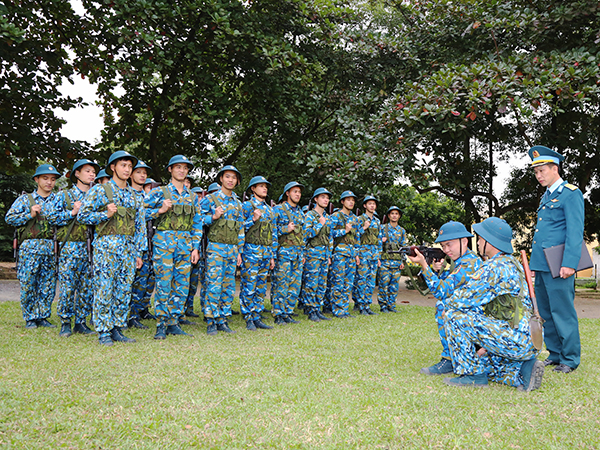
[166,193]
[31,200]
[109,192]
[67,199]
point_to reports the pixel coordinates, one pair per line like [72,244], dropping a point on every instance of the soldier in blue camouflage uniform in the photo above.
[144,275]
[491,315]
[346,232]
[561,216]
[102,177]
[212,188]
[176,244]
[222,212]
[76,293]
[258,256]
[287,278]
[453,237]
[119,241]
[36,270]
[369,253]
[319,242]
[390,269]
[197,270]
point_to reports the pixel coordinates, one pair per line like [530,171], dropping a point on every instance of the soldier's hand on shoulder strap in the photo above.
[111,209]
[291,227]
[322,220]
[35,210]
[348,227]
[166,205]
[218,213]
[256,214]
[367,224]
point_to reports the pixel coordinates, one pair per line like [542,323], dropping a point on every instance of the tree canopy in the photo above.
[372,96]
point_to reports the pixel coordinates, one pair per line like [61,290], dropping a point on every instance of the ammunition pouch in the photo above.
[321,239]
[293,239]
[370,237]
[225,231]
[348,238]
[78,232]
[261,233]
[36,228]
[179,218]
[506,307]
[122,222]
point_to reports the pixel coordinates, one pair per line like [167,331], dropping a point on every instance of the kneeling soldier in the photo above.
[492,313]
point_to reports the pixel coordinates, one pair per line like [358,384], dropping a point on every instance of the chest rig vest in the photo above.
[293,239]
[72,231]
[122,222]
[37,227]
[224,231]
[348,238]
[180,217]
[260,233]
[322,237]
[371,234]
[389,246]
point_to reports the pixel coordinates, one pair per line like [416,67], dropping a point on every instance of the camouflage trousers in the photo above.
[172,267]
[389,284]
[76,293]
[506,346]
[285,288]
[253,287]
[439,318]
[364,282]
[314,282]
[220,287]
[196,274]
[144,282]
[113,277]
[37,276]
[343,269]
[327,297]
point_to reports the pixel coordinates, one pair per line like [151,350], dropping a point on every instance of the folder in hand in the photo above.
[554,257]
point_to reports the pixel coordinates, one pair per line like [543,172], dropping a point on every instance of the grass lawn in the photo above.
[338,384]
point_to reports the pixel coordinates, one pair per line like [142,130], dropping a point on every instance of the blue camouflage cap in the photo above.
[79,164]
[46,169]
[214,187]
[180,159]
[452,230]
[369,197]
[320,191]
[347,194]
[497,232]
[257,180]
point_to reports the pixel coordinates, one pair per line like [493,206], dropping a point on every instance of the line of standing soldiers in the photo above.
[166,239]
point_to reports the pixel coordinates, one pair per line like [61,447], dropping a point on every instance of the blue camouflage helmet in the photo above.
[541,155]
[46,169]
[292,184]
[452,230]
[214,187]
[101,174]
[305,209]
[497,232]
[347,194]
[197,190]
[393,208]
[149,181]
[142,165]
[230,169]
[257,180]
[180,159]
[79,164]
[369,197]
[117,156]
[320,191]
[280,199]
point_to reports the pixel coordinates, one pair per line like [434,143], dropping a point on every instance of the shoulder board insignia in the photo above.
[455,271]
[554,200]
[571,186]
